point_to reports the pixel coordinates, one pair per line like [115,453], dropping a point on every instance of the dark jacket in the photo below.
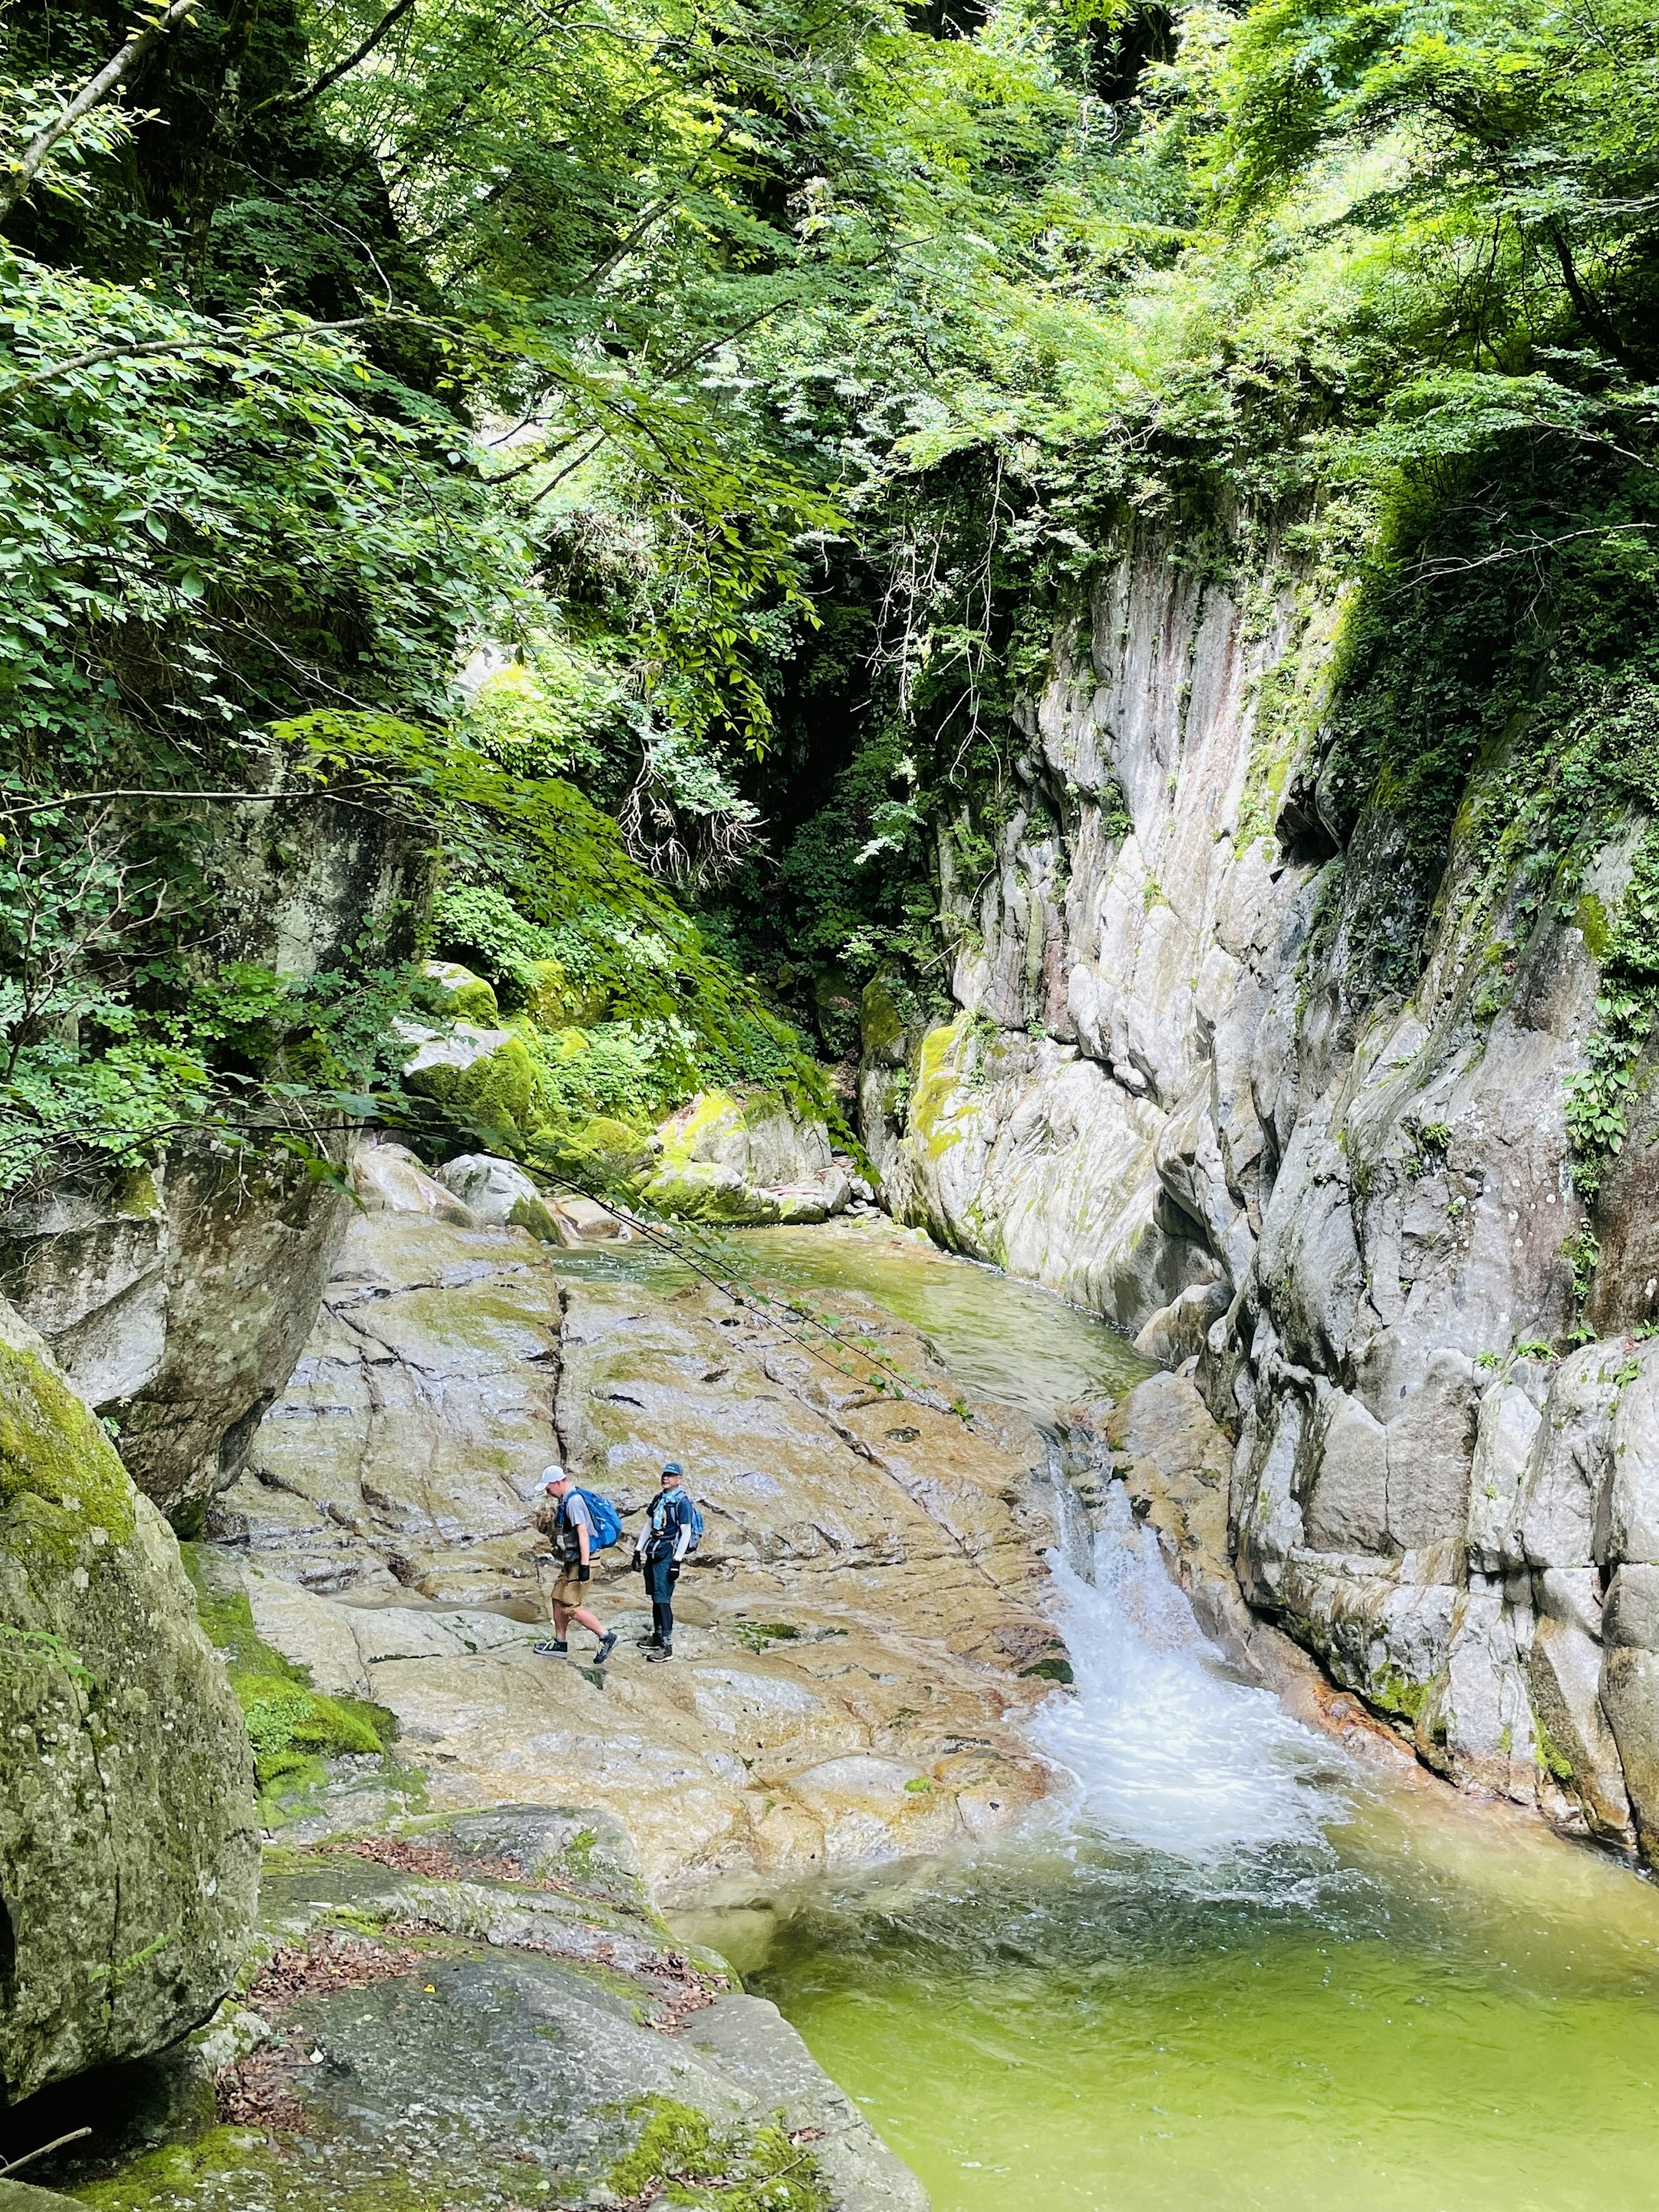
[669,1526]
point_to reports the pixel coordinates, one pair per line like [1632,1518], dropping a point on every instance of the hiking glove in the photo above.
[583,1574]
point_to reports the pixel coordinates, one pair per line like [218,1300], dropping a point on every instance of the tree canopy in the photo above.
[693,413]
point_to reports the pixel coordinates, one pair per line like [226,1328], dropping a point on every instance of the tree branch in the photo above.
[343,69]
[22,172]
[231,341]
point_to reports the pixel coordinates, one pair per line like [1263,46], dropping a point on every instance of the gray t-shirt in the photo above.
[563,1518]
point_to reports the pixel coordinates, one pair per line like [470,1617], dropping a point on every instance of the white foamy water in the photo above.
[1168,1752]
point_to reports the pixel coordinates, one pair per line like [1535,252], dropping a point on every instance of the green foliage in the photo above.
[743,2168]
[748,395]
[292,1727]
[24,1652]
[1582,1254]
[1626,1011]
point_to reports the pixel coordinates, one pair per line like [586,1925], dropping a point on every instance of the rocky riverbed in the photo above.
[461,1990]
[864,1633]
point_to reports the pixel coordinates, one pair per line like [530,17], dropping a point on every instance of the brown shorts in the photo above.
[567,1591]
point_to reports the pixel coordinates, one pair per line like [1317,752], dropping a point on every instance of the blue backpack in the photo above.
[607,1525]
[695,1517]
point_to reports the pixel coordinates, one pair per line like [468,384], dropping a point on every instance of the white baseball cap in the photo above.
[550,1475]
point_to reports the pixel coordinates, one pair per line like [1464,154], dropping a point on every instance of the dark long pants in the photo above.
[660,1577]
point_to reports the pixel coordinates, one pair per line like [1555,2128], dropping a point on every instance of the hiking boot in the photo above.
[648,1643]
[553,1649]
[602,1649]
[662,1651]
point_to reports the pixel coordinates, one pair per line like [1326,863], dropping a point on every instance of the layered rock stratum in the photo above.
[1228,1072]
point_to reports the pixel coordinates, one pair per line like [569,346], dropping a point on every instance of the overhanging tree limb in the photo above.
[22,173]
[343,69]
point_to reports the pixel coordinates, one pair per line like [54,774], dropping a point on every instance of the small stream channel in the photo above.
[1235,1972]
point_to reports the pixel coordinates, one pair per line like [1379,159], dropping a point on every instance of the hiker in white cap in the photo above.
[566,1520]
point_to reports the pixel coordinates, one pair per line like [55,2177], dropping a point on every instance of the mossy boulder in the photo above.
[128,1853]
[499,1193]
[458,994]
[595,1153]
[732,1157]
[485,1079]
[554,1000]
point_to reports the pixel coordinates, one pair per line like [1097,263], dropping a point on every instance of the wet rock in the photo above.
[1477,1725]
[127,1847]
[869,1587]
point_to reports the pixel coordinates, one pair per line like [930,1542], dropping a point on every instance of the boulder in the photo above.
[389,1178]
[483,1079]
[176,1301]
[499,1195]
[745,1160]
[461,995]
[128,1851]
[554,1000]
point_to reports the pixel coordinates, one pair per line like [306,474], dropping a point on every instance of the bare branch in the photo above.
[22,172]
[351,61]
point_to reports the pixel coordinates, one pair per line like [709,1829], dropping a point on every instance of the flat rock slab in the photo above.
[869,1597]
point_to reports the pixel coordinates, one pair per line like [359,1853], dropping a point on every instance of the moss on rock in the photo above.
[126,1809]
[292,1727]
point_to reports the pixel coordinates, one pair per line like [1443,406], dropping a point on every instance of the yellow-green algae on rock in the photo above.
[128,1855]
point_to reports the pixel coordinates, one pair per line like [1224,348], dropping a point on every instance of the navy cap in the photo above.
[673,1466]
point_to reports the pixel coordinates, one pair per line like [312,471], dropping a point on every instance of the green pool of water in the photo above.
[1007,1338]
[1415,2015]
[1237,1972]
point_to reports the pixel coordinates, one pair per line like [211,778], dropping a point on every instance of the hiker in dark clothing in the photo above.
[564,1518]
[670,1532]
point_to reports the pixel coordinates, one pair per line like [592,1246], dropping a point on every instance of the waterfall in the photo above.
[1170,1754]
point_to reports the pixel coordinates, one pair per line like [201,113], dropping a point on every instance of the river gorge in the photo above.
[1232,1948]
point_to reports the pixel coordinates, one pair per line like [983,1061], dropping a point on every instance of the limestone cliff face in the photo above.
[128,1853]
[1216,1076]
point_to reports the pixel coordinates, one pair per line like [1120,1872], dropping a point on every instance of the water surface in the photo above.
[1004,1338]
[1235,1972]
